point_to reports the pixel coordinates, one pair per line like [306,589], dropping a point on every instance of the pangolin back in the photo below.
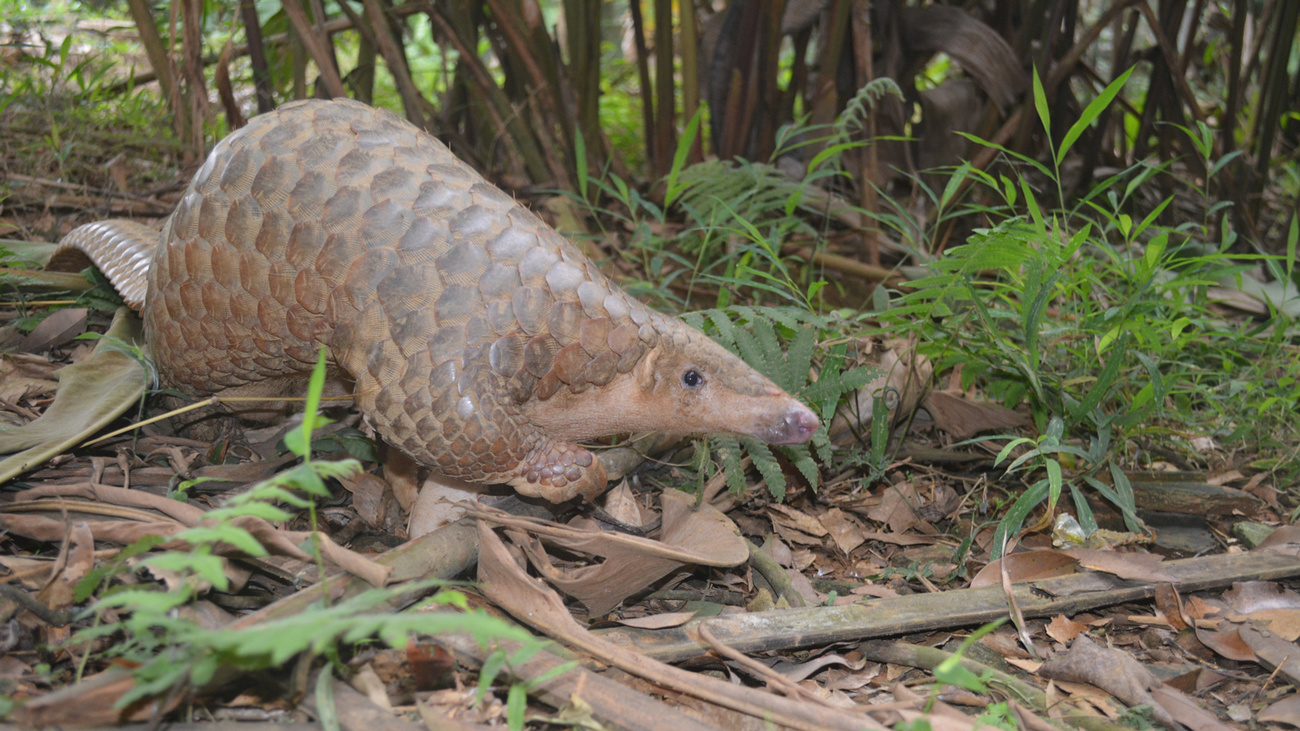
[451,307]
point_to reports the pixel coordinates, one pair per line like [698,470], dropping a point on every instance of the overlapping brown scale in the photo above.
[535,265]
[565,321]
[274,181]
[463,263]
[344,209]
[593,335]
[569,365]
[602,368]
[241,168]
[532,305]
[539,356]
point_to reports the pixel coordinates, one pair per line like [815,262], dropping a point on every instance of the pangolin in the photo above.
[474,337]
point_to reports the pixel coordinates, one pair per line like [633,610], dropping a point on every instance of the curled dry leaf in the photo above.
[690,536]
[1111,670]
[1026,566]
[962,418]
[91,394]
[60,327]
[1135,566]
[76,559]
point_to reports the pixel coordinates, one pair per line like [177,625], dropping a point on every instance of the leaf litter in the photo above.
[663,580]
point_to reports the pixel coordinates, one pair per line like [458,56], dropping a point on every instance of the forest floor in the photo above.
[855,603]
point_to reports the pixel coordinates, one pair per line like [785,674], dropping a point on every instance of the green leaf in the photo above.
[1040,104]
[684,144]
[1093,110]
[728,450]
[1015,517]
[326,712]
[767,466]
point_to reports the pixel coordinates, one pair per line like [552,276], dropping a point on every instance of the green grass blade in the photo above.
[1094,109]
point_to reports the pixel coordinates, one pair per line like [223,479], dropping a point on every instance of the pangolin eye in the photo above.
[692,379]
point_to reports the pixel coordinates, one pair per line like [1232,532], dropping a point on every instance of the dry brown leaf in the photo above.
[1171,606]
[60,327]
[962,418]
[181,512]
[1064,630]
[1285,711]
[784,515]
[1111,670]
[531,601]
[1026,566]
[91,703]
[1248,597]
[1135,566]
[897,509]
[690,536]
[14,387]
[1284,540]
[621,504]
[402,474]
[844,531]
[91,394]
[658,621]
[1284,623]
[1185,711]
[1273,651]
[1227,642]
[76,559]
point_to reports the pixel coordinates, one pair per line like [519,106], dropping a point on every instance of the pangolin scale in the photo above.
[474,337]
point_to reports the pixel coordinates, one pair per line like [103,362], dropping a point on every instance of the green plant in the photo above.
[755,334]
[170,650]
[1101,321]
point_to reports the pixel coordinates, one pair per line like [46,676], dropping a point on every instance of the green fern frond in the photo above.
[863,101]
[728,450]
[767,466]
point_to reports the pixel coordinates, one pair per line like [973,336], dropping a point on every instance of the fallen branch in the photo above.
[890,616]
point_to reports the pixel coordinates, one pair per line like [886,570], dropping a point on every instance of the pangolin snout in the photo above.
[795,426]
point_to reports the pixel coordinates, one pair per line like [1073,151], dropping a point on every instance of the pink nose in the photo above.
[795,426]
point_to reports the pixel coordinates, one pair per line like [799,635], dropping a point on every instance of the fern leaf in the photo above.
[725,329]
[821,441]
[750,351]
[799,355]
[767,466]
[803,461]
[770,350]
[728,450]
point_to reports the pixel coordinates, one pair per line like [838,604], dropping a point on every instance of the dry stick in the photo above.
[256,55]
[315,47]
[665,87]
[194,95]
[643,74]
[610,700]
[545,89]
[508,586]
[795,628]
[768,675]
[775,574]
[1065,65]
[503,114]
[1171,60]
[868,156]
[153,46]
[250,49]
[393,55]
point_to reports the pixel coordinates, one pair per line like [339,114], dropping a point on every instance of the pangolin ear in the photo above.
[646,371]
